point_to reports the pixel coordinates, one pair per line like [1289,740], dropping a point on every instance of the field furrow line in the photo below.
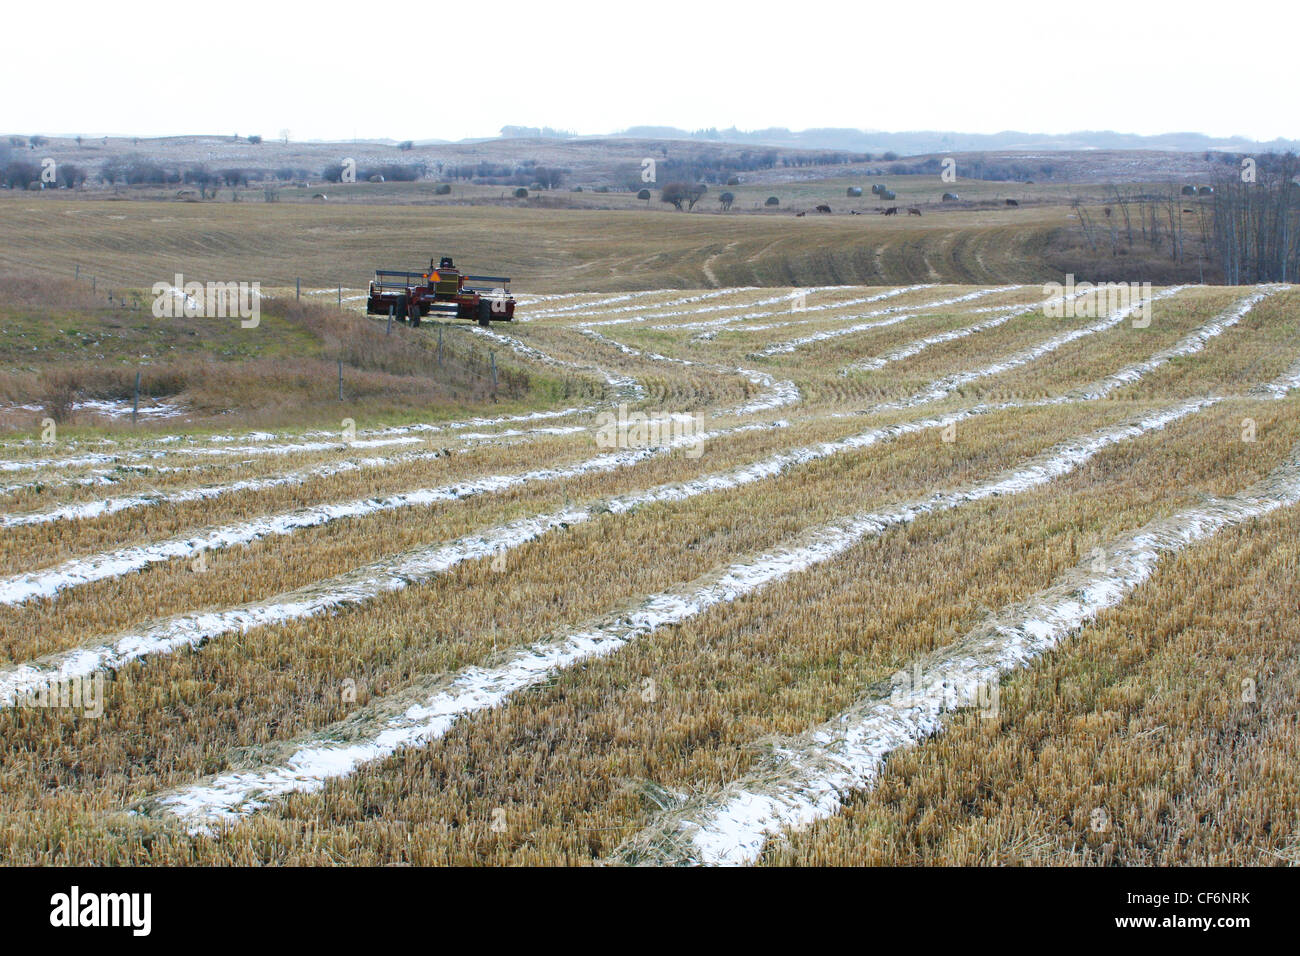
[712,334]
[1190,344]
[117,504]
[776,394]
[107,478]
[710,328]
[170,443]
[759,304]
[640,307]
[917,346]
[410,567]
[895,315]
[20,588]
[808,778]
[340,749]
[129,458]
[1280,386]
[601,301]
[761,307]
[628,388]
[943,387]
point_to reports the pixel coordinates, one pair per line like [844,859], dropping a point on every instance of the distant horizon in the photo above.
[697,133]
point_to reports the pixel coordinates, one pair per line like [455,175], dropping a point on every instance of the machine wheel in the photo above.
[402,309]
[484,313]
[415,316]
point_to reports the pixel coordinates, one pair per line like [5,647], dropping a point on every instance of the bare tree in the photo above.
[1256,223]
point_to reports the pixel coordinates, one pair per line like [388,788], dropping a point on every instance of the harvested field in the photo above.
[905,574]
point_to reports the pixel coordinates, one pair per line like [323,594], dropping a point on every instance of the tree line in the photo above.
[1256,220]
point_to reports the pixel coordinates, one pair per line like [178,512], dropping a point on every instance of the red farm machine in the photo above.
[444,289]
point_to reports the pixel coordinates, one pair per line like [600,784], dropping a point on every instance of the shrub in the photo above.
[59,388]
[17,174]
[772,201]
[521,193]
[71,175]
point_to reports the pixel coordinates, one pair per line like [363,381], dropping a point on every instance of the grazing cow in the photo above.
[320,197]
[949,197]
[1106,211]
[823,208]
[1012,202]
[913,211]
[1186,211]
[801,214]
[891,211]
[854,212]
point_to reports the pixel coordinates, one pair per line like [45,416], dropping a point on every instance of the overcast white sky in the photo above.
[407,70]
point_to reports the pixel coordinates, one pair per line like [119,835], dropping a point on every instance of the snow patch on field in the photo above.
[114,505]
[712,334]
[920,345]
[601,301]
[625,386]
[776,394]
[21,588]
[758,304]
[1188,345]
[895,315]
[688,300]
[943,387]
[1284,383]
[808,777]
[226,798]
[192,629]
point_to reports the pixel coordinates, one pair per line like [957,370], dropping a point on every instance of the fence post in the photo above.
[92,285]
[340,380]
[78,270]
[440,346]
[297,284]
[389,330]
[135,402]
[492,357]
[340,297]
